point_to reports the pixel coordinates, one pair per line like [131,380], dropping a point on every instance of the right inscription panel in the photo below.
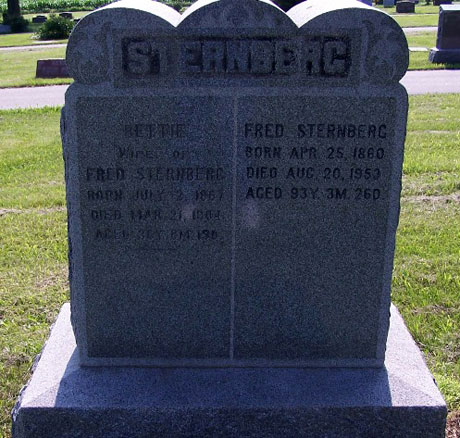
[313,191]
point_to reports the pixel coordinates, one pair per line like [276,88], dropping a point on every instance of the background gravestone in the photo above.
[233,180]
[448,40]
[51,68]
[67,15]
[405,7]
[39,19]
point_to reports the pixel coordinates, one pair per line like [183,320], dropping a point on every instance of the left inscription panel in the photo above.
[156,213]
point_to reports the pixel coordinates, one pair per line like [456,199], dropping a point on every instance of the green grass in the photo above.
[33,252]
[422,39]
[416,20]
[427,265]
[30,165]
[33,245]
[24,39]
[17,68]
[421,8]
[419,60]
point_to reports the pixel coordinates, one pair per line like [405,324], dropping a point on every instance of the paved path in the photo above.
[432,81]
[34,47]
[416,82]
[420,29]
[32,96]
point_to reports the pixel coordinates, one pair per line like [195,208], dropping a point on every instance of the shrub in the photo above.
[55,28]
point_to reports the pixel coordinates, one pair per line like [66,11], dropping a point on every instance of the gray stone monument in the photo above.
[447,49]
[233,181]
[39,19]
[67,15]
[388,3]
[405,7]
[51,68]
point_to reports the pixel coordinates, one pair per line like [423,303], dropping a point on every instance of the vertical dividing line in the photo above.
[233,262]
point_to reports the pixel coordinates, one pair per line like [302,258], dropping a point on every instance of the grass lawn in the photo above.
[422,39]
[419,60]
[416,20]
[421,8]
[32,243]
[427,266]
[24,39]
[17,68]
[33,247]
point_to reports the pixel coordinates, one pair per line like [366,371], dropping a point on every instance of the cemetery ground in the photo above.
[25,39]
[25,63]
[33,245]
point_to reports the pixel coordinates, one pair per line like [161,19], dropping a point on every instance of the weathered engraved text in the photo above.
[322,56]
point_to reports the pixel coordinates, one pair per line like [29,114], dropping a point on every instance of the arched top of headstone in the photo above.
[235,14]
[89,54]
[237,43]
[385,55]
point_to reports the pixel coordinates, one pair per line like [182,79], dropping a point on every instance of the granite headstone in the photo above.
[51,68]
[388,3]
[233,179]
[67,15]
[448,40]
[405,7]
[227,206]
[39,19]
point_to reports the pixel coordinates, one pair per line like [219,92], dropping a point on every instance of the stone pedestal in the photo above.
[51,68]
[65,400]
[444,56]
[447,49]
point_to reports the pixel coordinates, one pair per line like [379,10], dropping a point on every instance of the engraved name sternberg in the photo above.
[310,56]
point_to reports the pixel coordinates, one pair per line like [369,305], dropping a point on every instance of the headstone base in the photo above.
[64,400]
[444,56]
[51,68]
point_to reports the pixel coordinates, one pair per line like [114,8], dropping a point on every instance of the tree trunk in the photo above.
[14,9]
